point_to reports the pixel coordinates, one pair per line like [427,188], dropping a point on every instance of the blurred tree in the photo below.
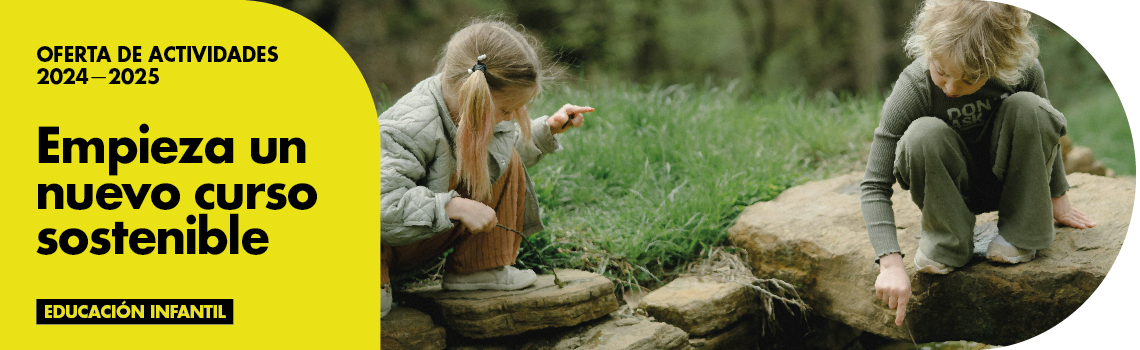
[815,45]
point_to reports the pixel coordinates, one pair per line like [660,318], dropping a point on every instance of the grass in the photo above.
[1098,122]
[657,175]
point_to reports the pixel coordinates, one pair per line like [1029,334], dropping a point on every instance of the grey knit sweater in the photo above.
[915,96]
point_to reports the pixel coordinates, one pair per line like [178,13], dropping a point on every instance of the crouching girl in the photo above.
[453,158]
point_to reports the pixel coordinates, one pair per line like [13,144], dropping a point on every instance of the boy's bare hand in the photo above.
[558,120]
[893,285]
[1067,215]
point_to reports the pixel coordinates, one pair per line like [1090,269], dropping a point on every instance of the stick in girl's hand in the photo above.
[568,120]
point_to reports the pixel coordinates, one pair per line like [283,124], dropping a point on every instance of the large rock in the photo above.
[405,328]
[699,306]
[487,314]
[814,237]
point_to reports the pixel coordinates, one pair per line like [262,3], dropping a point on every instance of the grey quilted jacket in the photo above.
[417,158]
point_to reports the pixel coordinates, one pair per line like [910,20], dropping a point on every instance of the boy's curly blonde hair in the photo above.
[984,39]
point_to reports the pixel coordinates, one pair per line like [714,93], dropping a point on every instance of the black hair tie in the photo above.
[479,65]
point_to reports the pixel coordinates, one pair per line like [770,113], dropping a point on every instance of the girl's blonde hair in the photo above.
[513,65]
[984,39]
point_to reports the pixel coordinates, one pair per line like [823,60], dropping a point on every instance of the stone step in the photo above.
[487,314]
[814,237]
[406,328]
[700,306]
[618,333]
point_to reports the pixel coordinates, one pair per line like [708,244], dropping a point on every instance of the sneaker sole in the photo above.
[1014,260]
[933,270]
[487,286]
[384,313]
[929,269]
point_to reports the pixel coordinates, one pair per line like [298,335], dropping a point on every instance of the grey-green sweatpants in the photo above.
[951,184]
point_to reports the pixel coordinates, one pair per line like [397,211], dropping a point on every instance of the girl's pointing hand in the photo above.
[568,116]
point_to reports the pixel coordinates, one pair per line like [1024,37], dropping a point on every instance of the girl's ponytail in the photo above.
[487,55]
[475,130]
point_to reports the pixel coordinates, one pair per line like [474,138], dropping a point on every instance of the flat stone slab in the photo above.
[617,333]
[487,314]
[699,306]
[406,328]
[814,237]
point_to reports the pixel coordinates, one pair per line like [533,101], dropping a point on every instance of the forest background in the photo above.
[704,107]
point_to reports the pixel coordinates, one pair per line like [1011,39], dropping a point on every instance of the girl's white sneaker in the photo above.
[499,278]
[385,299]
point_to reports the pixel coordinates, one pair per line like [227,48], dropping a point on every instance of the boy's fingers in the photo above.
[1076,223]
[894,302]
[900,314]
[1082,221]
[1074,219]
[1088,220]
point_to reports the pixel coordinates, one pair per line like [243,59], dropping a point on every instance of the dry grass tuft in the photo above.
[724,266]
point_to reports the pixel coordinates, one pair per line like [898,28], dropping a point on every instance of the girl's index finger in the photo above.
[577,109]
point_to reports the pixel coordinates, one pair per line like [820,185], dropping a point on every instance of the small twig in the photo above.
[438,267]
[557,281]
[910,333]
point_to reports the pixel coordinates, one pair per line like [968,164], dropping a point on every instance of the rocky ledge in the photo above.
[813,236]
[486,313]
[406,328]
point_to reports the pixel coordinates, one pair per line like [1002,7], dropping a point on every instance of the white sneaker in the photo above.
[1001,250]
[385,299]
[926,265]
[500,278]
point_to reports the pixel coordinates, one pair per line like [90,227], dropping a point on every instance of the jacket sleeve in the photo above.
[409,212]
[542,142]
[904,105]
